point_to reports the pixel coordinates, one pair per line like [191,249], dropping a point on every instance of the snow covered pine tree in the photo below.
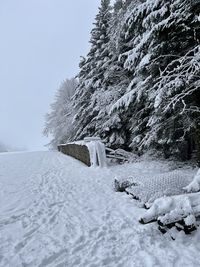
[103,79]
[90,94]
[139,84]
[162,54]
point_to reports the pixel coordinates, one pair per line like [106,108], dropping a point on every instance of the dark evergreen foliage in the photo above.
[139,85]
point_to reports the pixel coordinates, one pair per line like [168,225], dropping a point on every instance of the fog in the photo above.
[41,44]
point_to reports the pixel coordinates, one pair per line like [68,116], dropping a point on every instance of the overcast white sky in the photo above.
[41,44]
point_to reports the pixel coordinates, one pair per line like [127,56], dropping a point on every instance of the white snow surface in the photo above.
[55,211]
[194,186]
[170,208]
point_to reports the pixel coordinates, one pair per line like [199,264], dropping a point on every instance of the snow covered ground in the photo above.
[55,211]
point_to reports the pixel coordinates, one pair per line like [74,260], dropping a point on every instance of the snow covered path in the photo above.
[55,211]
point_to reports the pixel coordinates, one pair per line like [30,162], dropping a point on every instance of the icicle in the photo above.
[97,153]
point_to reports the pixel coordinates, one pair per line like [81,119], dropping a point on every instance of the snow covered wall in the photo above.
[90,151]
[77,151]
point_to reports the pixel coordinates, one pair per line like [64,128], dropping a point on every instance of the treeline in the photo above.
[139,86]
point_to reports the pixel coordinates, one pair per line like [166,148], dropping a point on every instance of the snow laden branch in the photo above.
[139,84]
[180,79]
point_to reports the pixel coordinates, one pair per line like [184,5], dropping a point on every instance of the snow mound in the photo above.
[168,210]
[194,186]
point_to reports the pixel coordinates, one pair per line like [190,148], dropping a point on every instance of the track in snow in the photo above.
[54,211]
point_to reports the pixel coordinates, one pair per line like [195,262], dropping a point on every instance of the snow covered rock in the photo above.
[121,186]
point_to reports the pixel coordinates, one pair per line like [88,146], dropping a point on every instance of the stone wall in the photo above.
[79,152]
